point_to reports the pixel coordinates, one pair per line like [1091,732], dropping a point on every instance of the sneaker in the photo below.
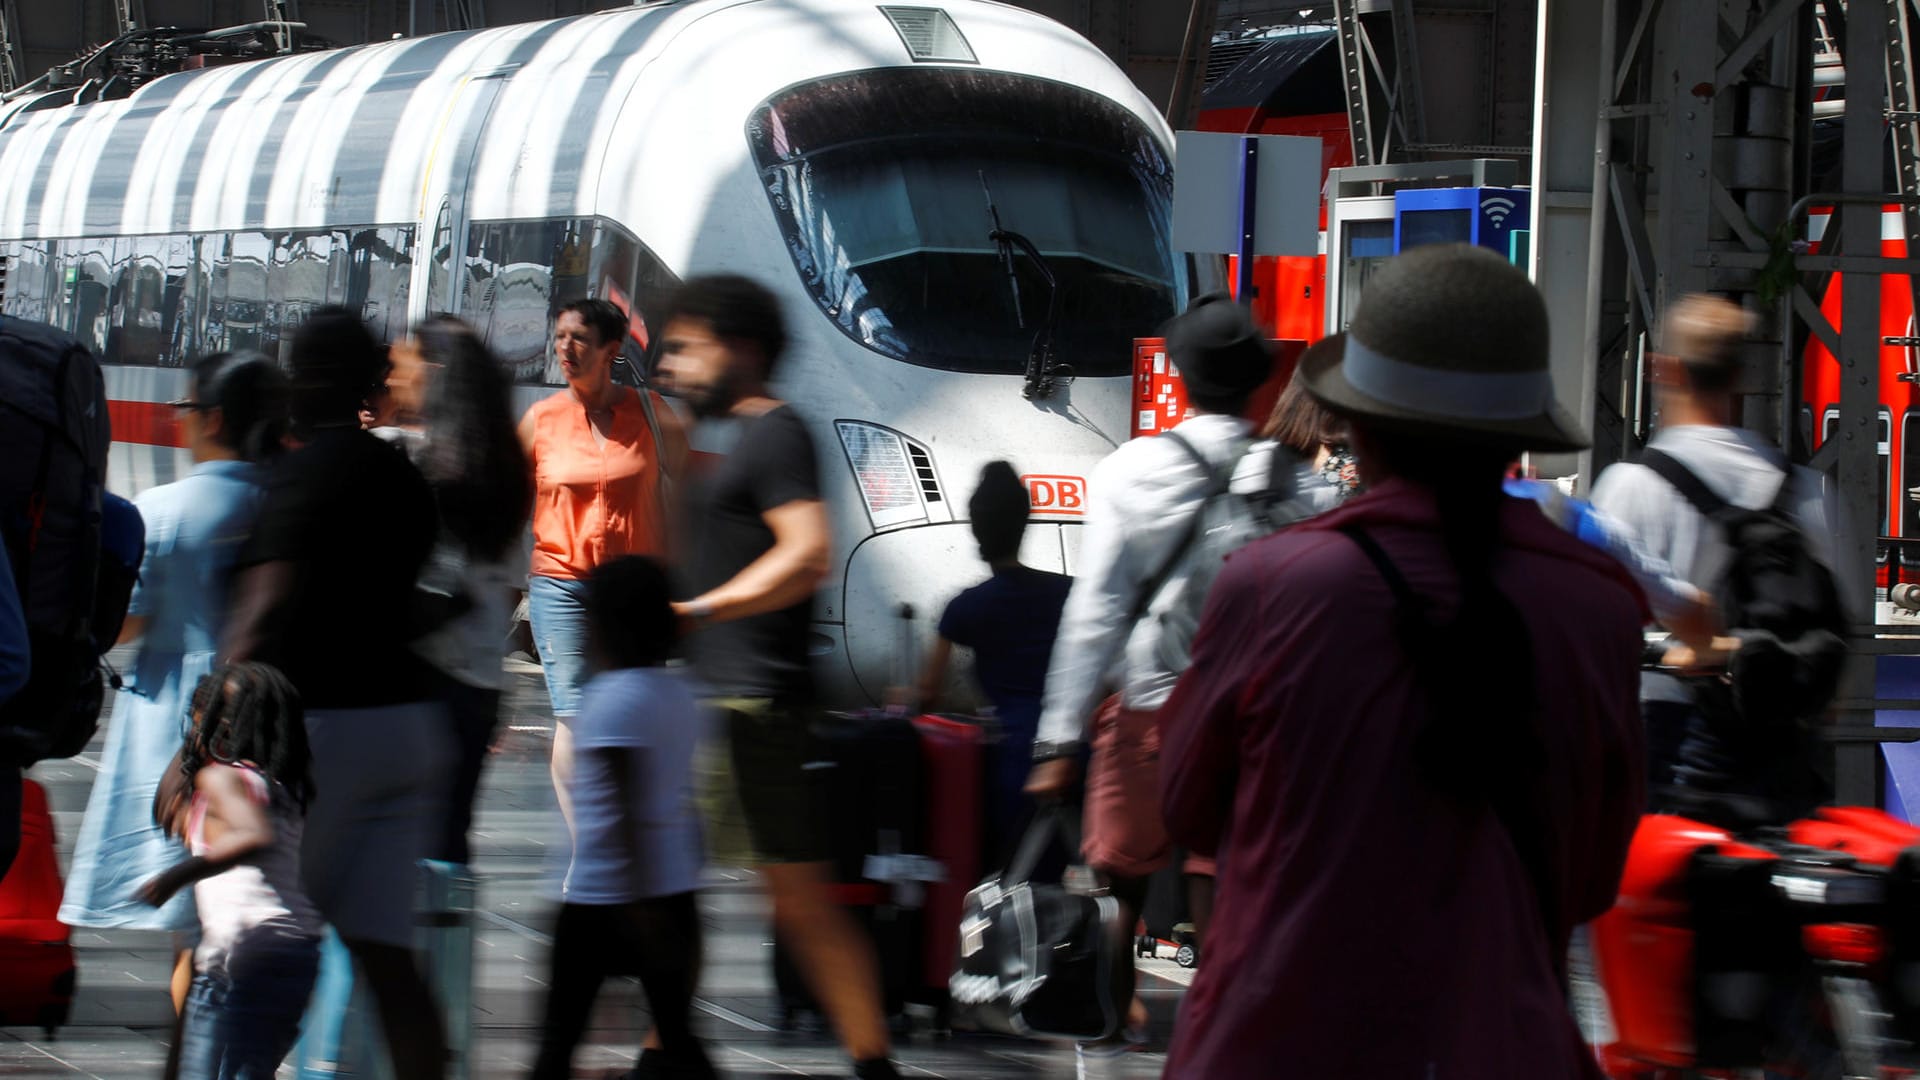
[875,1069]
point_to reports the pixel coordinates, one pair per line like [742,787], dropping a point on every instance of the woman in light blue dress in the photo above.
[233,418]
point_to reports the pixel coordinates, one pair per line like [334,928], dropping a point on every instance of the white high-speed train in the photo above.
[935,192]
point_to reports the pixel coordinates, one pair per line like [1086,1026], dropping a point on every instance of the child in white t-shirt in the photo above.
[628,898]
[239,800]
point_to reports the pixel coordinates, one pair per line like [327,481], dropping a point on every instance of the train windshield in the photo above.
[881,180]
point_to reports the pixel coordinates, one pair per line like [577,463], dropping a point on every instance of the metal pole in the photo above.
[9,64]
[1604,263]
[1856,777]
[1353,73]
[1249,198]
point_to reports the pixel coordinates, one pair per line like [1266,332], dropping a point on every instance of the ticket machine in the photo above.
[1377,211]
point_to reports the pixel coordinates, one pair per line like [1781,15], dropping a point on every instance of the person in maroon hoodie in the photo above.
[1409,731]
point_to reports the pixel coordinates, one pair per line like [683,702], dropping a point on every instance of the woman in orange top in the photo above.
[599,476]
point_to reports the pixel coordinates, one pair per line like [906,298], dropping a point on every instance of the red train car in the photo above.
[1898,426]
[1287,85]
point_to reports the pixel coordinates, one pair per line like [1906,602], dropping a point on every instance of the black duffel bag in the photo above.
[1037,958]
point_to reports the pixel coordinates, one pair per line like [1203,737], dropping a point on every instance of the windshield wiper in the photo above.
[1045,372]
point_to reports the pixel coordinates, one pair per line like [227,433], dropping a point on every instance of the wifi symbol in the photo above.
[1497,208]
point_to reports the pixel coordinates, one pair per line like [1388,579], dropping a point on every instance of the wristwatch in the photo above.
[1048,751]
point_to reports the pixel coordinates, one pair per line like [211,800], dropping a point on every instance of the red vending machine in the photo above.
[1160,401]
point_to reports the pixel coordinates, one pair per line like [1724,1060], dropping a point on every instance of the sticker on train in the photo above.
[1062,496]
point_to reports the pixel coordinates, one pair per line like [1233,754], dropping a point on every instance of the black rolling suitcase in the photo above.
[871,783]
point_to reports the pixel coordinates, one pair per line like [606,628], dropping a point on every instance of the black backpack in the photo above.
[1781,601]
[54,432]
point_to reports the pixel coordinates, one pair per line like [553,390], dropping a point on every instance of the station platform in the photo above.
[121,1015]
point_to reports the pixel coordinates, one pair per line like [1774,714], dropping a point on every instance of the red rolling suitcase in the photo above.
[953,753]
[36,949]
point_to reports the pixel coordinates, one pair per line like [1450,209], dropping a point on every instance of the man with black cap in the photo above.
[1141,501]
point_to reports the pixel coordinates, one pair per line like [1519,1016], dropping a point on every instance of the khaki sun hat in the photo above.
[1449,340]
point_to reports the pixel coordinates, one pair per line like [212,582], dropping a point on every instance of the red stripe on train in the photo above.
[148,423]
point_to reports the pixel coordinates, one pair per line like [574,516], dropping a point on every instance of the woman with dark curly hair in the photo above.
[345,529]
[453,393]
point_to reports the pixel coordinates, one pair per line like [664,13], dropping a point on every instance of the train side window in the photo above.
[374,271]
[139,288]
[297,279]
[517,275]
[440,283]
[86,280]
[28,276]
[250,318]
[186,310]
[634,278]
[218,250]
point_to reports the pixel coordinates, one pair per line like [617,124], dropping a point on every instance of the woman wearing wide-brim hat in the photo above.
[1409,729]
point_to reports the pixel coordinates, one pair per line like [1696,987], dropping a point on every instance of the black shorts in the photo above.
[761,801]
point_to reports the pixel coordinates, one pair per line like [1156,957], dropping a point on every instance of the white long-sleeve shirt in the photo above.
[1140,501]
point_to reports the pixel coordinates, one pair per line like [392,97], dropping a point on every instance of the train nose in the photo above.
[924,567]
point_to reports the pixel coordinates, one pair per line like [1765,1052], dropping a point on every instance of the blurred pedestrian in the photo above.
[1142,507]
[456,407]
[601,454]
[1406,846]
[1008,622]
[628,897]
[16,658]
[246,781]
[758,548]
[16,663]
[1695,740]
[233,419]
[324,590]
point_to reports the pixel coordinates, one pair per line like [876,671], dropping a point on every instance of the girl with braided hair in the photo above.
[239,802]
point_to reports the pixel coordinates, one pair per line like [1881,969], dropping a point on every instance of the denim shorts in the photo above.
[241,1022]
[558,610]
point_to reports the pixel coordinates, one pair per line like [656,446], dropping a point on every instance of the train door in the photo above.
[444,206]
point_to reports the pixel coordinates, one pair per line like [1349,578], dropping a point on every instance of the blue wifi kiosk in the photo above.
[1488,217]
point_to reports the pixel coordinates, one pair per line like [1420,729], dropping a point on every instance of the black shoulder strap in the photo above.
[1528,842]
[1403,593]
[1783,499]
[1217,481]
[1667,468]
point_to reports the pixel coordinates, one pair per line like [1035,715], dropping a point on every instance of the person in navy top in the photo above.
[1009,621]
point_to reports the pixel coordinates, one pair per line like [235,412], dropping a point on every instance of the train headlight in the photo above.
[887,480]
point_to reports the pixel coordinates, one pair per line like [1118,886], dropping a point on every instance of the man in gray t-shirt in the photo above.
[1695,377]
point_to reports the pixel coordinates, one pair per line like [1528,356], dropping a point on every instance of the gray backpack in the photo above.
[1225,521]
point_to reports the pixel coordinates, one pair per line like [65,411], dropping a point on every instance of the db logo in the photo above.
[1064,495]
